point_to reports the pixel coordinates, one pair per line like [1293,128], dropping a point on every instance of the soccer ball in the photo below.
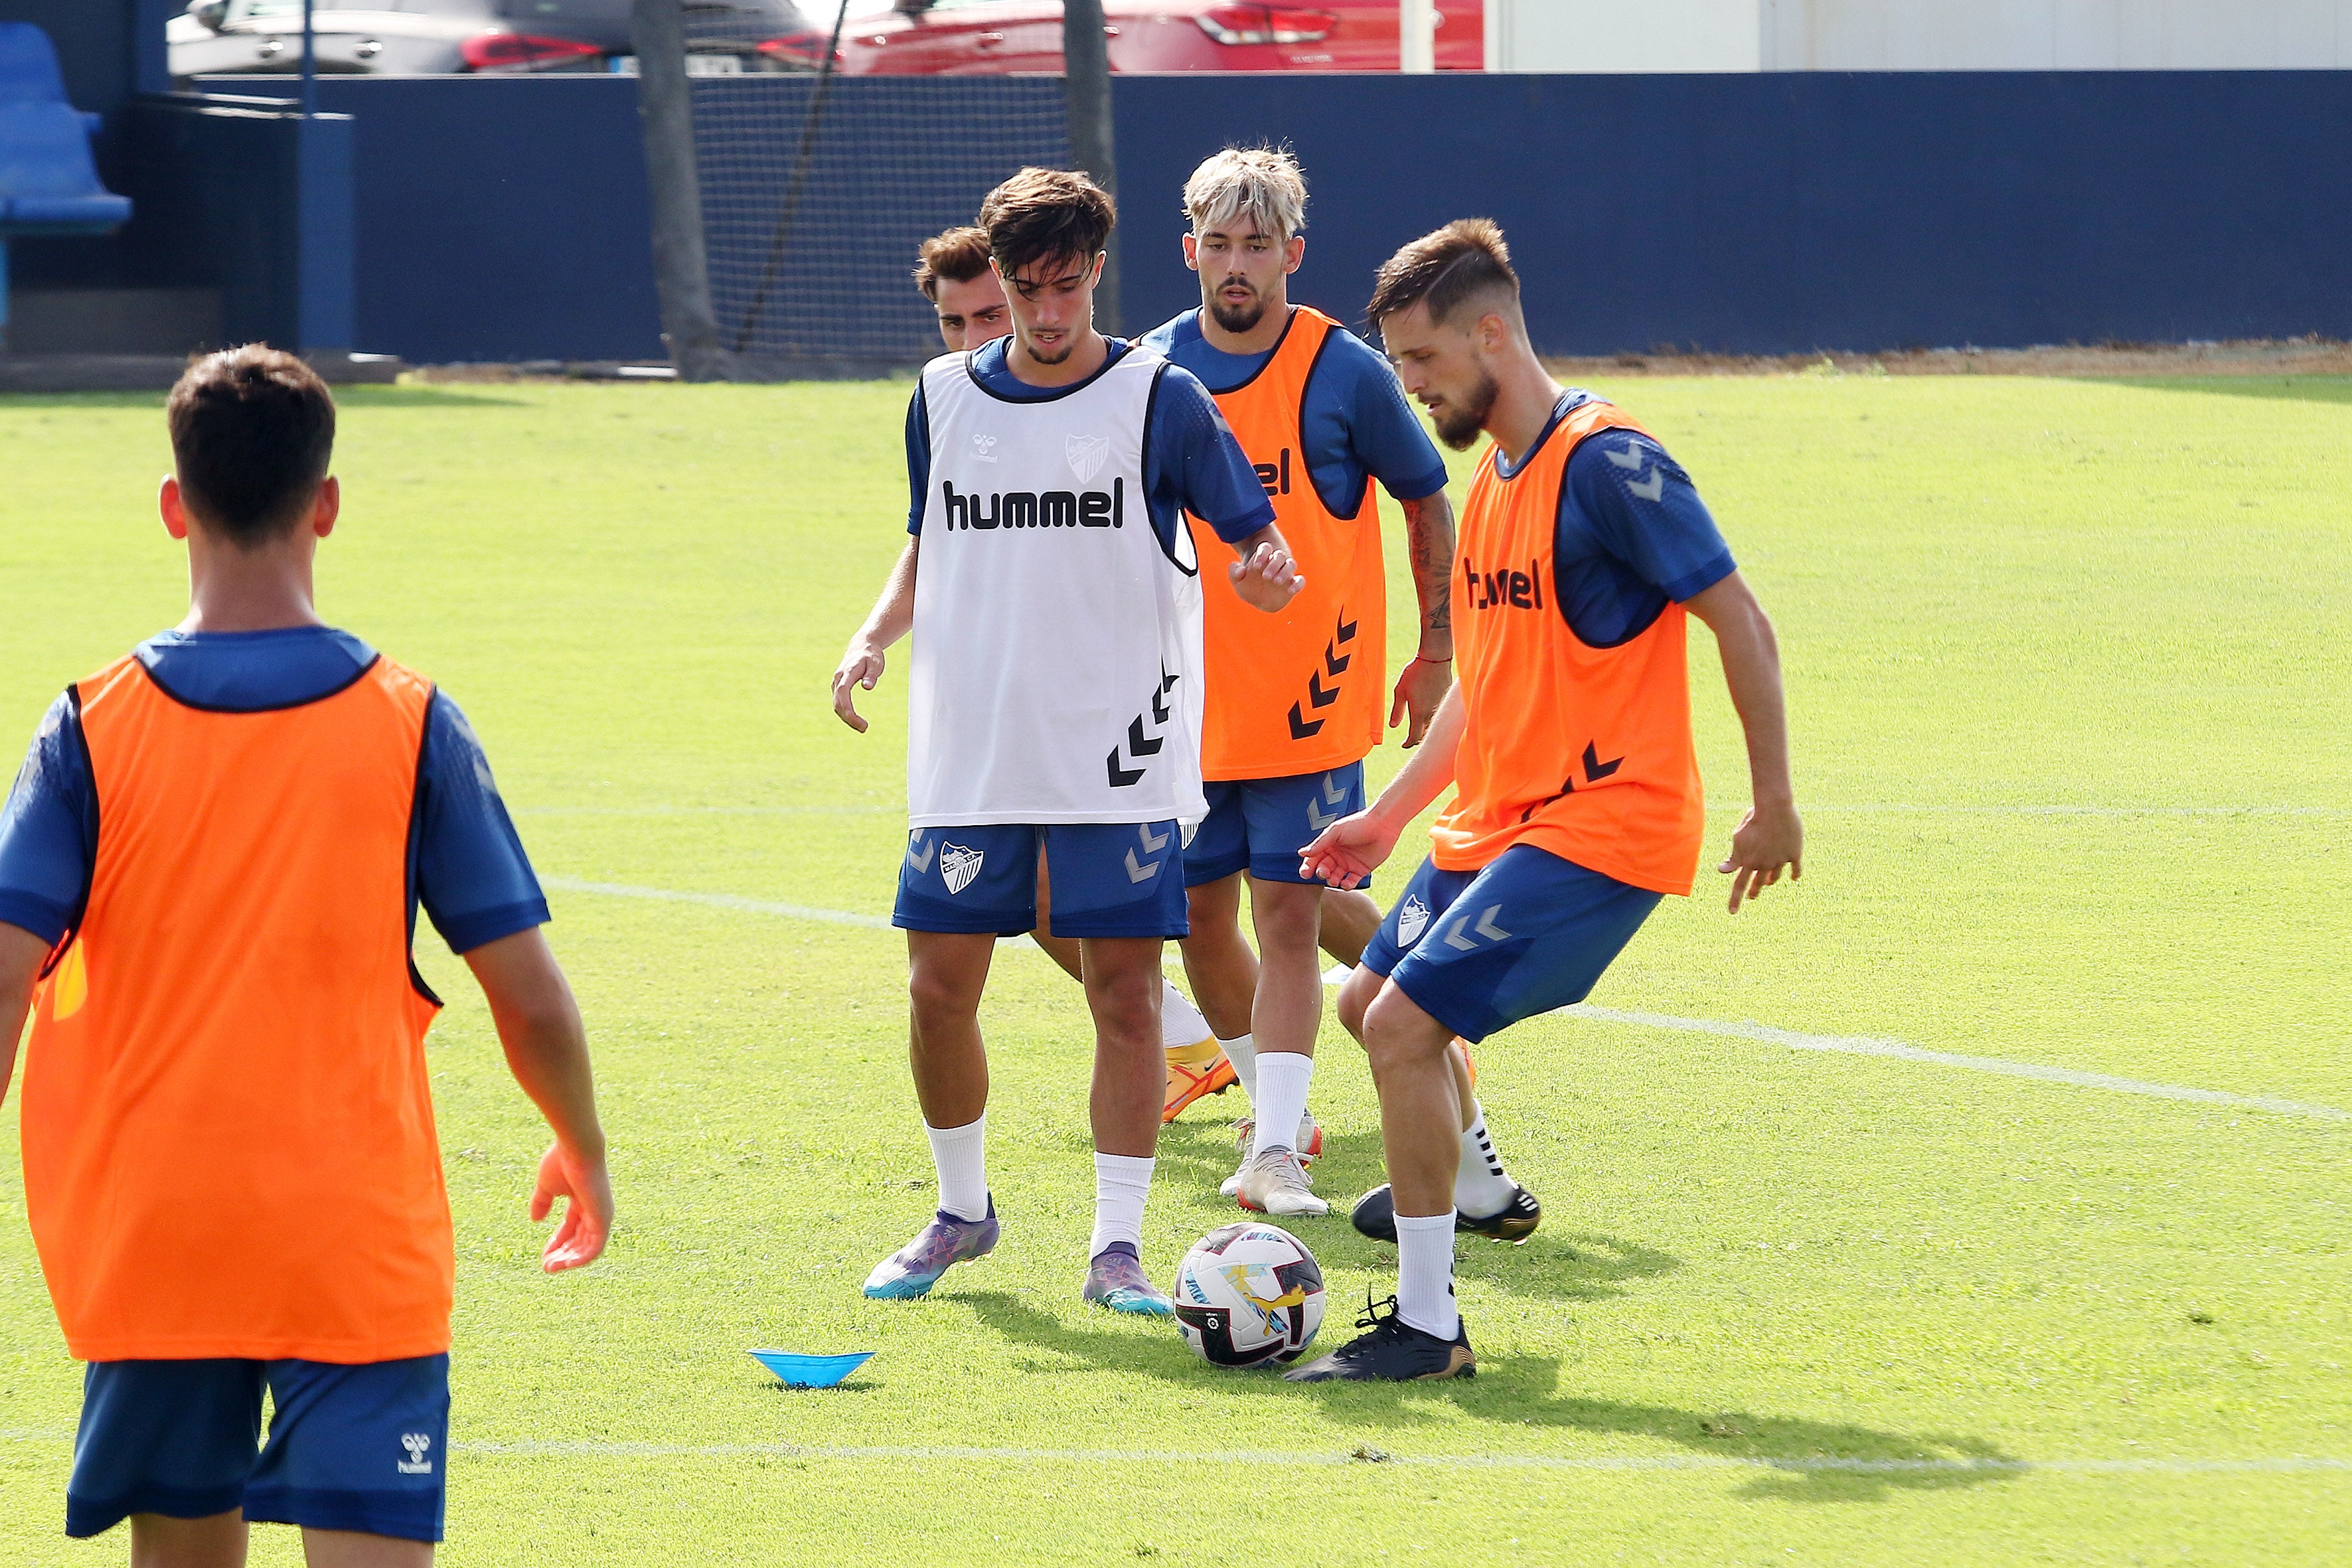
[1248,1294]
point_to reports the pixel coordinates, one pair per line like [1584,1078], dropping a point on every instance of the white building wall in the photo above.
[1918,35]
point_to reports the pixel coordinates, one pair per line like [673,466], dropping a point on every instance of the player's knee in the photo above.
[940,994]
[1355,996]
[1287,918]
[1397,1035]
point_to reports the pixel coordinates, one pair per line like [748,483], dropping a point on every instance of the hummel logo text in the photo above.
[1027,509]
[418,1445]
[983,448]
[1505,589]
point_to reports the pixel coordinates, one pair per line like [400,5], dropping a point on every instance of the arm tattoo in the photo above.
[1429,535]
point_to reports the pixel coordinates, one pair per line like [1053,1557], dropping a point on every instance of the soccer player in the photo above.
[1294,703]
[210,869]
[1055,596]
[1577,803]
[953,272]
[951,269]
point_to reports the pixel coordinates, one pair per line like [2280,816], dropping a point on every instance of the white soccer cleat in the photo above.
[1275,1183]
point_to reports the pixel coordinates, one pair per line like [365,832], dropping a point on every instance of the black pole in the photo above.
[1086,55]
[779,240]
[681,265]
[310,65]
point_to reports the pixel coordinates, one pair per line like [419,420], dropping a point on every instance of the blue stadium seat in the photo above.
[48,183]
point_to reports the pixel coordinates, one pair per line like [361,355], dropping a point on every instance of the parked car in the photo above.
[432,38]
[1000,36]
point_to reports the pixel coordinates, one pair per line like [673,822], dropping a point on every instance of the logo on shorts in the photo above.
[1412,920]
[959,866]
[418,1445]
[1086,454]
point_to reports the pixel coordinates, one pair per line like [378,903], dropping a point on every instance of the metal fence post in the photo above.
[681,266]
[1086,53]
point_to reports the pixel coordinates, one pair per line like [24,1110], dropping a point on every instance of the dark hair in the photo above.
[958,256]
[252,431]
[1046,214]
[1448,268]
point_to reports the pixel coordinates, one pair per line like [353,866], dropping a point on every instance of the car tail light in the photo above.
[511,51]
[798,48]
[1267,25]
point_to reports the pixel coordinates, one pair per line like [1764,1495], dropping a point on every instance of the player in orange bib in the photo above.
[1295,702]
[1577,803]
[210,869]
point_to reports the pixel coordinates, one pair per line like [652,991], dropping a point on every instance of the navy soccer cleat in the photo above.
[1393,1352]
[1375,1216]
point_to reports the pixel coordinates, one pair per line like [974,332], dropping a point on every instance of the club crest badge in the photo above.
[1412,920]
[959,866]
[1086,455]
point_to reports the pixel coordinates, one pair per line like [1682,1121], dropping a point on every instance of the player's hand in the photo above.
[861,666]
[1766,843]
[586,1188]
[1268,580]
[1349,850]
[1419,690]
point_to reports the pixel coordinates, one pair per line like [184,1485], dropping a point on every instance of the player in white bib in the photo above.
[1054,701]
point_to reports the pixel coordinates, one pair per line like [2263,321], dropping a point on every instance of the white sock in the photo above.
[1426,1274]
[960,1154]
[1480,1187]
[1181,1023]
[1242,1051]
[1283,1079]
[1121,1184]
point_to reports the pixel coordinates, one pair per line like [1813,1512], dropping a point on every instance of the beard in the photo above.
[1237,319]
[1461,422]
[1069,345]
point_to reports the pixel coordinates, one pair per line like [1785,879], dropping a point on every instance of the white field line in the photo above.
[2153,1465]
[1845,1045]
[1810,809]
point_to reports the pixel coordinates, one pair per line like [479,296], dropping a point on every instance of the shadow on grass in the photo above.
[2276,388]
[1520,1392]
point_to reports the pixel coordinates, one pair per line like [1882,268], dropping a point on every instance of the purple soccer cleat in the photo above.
[914,1269]
[1115,1280]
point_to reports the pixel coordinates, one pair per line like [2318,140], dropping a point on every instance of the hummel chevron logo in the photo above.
[1595,770]
[1314,692]
[1335,661]
[1158,708]
[1302,727]
[1138,872]
[1319,820]
[1150,845]
[1137,744]
[1650,490]
[1485,928]
[1119,777]
[1335,664]
[1632,456]
[1334,793]
[921,863]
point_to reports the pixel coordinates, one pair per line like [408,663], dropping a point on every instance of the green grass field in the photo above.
[2067,663]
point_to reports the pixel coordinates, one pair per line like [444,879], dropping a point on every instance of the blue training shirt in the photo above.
[466,864]
[1191,461]
[1355,424]
[1620,552]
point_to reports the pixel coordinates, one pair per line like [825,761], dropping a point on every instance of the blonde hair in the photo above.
[1262,184]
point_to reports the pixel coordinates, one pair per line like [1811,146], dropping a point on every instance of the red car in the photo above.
[931,38]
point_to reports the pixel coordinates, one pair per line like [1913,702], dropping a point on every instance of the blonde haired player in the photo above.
[1295,702]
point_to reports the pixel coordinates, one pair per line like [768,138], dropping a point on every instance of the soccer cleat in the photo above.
[1309,1145]
[1375,1216]
[1115,1280]
[1189,1081]
[1393,1352]
[1310,1136]
[914,1269]
[1276,1183]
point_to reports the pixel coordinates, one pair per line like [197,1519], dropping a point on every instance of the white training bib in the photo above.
[1057,644]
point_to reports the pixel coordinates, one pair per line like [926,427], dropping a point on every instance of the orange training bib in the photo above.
[1584,751]
[1301,692]
[228,1134]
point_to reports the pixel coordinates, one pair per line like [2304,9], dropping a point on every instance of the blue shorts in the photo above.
[1259,825]
[351,1447]
[1478,950]
[1110,879]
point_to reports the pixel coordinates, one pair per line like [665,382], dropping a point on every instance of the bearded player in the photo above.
[1295,702]
[952,271]
[1050,474]
[1577,804]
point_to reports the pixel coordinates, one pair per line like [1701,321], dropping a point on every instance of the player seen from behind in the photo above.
[1055,596]
[1294,701]
[1577,802]
[953,273]
[210,869]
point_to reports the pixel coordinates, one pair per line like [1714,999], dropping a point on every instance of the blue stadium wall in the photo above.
[506,218]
